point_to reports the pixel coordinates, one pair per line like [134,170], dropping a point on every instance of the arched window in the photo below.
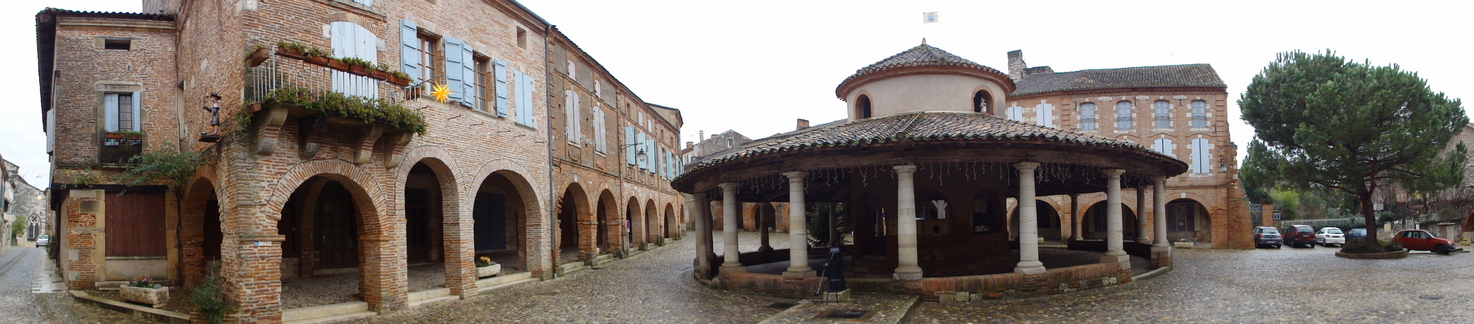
[862,107]
[1087,116]
[1123,115]
[1200,114]
[982,102]
[1162,114]
[351,40]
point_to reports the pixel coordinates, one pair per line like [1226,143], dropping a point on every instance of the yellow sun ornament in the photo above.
[440,93]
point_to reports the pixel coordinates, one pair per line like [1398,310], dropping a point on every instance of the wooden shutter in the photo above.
[468,76]
[409,49]
[135,224]
[110,112]
[500,74]
[526,98]
[629,145]
[455,68]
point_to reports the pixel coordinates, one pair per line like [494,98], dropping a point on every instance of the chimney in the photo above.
[803,123]
[1016,65]
[689,144]
[700,135]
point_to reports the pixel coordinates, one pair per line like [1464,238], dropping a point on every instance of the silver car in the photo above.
[1327,236]
[43,240]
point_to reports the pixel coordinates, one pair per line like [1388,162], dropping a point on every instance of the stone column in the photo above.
[1141,217]
[731,258]
[906,268]
[1028,221]
[798,233]
[762,226]
[703,243]
[1115,252]
[1161,249]
[1075,218]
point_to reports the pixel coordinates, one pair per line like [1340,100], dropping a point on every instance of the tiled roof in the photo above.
[921,55]
[1186,75]
[104,14]
[911,127]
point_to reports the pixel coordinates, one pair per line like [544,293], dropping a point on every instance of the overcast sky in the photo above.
[757,66]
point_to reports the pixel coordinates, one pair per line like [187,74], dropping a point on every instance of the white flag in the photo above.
[928,17]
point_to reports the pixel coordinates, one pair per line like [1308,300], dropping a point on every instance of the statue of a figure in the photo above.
[214,114]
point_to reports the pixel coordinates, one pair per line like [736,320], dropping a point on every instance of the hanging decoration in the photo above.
[440,92]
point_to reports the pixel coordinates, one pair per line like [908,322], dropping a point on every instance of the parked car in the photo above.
[1356,233]
[1424,241]
[1299,235]
[43,240]
[1328,236]
[1267,236]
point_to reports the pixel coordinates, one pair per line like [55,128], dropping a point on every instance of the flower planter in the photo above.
[257,57]
[318,60]
[377,74]
[487,271]
[113,135]
[153,297]
[337,65]
[356,69]
[403,82]
[290,52]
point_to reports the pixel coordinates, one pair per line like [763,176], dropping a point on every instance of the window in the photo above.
[863,107]
[1087,116]
[572,70]
[523,102]
[1200,156]
[1044,113]
[1200,114]
[1123,115]
[117,44]
[570,111]
[981,221]
[1162,114]
[1164,146]
[599,138]
[460,71]
[1181,216]
[122,112]
[351,40]
[483,96]
[598,89]
[521,37]
[1016,113]
[366,3]
[982,102]
[934,209]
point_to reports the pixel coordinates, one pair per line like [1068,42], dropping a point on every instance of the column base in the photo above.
[907,274]
[1162,247]
[1029,270]
[765,248]
[733,269]
[1144,240]
[1123,260]
[801,274]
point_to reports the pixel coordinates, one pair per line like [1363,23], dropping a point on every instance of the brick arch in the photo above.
[671,222]
[193,208]
[458,248]
[652,224]
[637,219]
[368,195]
[611,225]
[533,257]
[1200,199]
[585,227]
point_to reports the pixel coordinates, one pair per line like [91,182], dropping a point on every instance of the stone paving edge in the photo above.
[130,309]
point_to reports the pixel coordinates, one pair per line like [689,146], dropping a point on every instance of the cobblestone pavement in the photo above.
[1253,286]
[19,267]
[654,287]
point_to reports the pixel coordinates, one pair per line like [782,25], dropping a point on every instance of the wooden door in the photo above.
[135,224]
[336,225]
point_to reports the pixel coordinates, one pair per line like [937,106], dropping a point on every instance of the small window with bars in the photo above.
[1162,114]
[1199,114]
[1087,116]
[1123,115]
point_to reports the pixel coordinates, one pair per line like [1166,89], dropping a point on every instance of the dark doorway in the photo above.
[336,227]
[491,221]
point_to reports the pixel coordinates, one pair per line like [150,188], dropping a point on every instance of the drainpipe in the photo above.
[552,185]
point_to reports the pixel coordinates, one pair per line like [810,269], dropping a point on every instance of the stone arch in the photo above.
[652,221]
[864,105]
[455,242]
[1197,226]
[1050,221]
[1092,224]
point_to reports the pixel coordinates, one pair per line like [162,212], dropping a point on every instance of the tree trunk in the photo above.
[1368,214]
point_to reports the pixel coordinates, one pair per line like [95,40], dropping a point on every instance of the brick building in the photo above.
[316,161]
[1178,110]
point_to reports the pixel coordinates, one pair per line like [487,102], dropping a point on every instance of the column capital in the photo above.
[727,186]
[1026,166]
[796,175]
[690,199]
[908,168]
[1114,172]
[1159,179]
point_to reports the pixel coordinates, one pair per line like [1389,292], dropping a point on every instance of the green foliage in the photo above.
[1363,246]
[209,300]
[399,74]
[1347,126]
[357,61]
[144,281]
[292,45]
[18,226]
[170,165]
[333,103]
[1257,173]
[383,67]
[818,223]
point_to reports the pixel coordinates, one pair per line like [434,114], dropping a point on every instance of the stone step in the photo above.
[311,314]
[428,294]
[418,303]
[487,289]
[335,318]
[603,259]
[571,268]
[503,279]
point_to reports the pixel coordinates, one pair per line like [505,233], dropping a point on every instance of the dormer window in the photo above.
[862,107]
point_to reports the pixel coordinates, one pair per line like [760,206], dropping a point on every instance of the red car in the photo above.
[1424,241]
[1299,235]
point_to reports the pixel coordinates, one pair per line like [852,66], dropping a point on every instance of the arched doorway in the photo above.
[610,227]
[1049,223]
[670,220]
[652,222]
[429,199]
[1185,219]
[201,234]
[1094,224]
[635,221]
[573,221]
[505,205]
[324,261]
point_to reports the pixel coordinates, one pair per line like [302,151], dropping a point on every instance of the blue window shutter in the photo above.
[137,112]
[453,68]
[650,152]
[409,49]
[468,76]
[110,112]
[527,88]
[629,145]
[500,70]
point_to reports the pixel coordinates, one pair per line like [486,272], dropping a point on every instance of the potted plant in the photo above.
[398,78]
[256,54]
[113,135]
[486,268]
[316,56]
[357,66]
[291,49]
[144,290]
[380,72]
